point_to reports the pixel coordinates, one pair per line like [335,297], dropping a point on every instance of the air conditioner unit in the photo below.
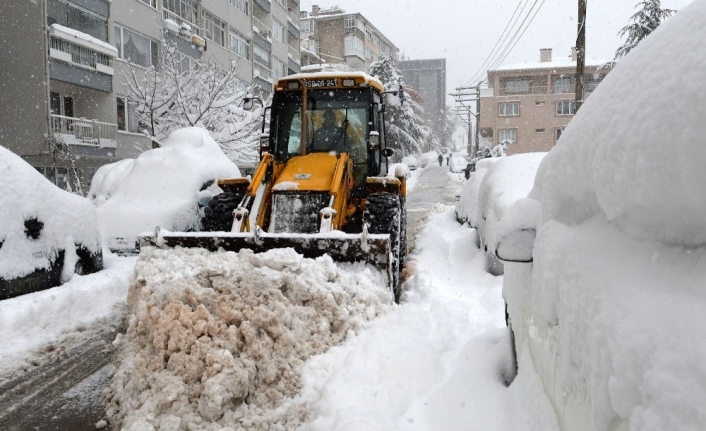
[198,40]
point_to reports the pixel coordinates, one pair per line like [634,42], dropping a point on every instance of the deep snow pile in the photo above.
[66,219]
[616,291]
[161,187]
[218,340]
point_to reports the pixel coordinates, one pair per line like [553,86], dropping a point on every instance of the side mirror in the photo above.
[517,246]
[247,103]
[264,143]
[388,152]
[373,141]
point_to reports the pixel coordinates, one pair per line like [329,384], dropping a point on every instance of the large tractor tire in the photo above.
[383,214]
[218,214]
[403,232]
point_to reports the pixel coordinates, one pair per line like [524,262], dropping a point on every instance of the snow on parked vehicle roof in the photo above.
[162,186]
[26,194]
[642,167]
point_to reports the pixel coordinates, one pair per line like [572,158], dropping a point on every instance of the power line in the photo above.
[517,38]
[497,58]
[510,25]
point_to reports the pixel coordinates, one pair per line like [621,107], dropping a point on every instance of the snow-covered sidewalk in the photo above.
[439,361]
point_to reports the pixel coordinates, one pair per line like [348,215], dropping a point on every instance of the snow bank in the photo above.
[615,299]
[218,340]
[162,186]
[26,194]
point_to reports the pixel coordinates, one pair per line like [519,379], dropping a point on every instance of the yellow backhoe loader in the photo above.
[321,186]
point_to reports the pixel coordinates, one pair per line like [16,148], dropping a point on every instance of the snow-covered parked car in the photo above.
[467,205]
[411,162]
[46,234]
[457,164]
[609,313]
[163,187]
[507,180]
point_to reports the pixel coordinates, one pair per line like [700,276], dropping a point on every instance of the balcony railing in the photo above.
[195,29]
[264,4]
[83,131]
[80,54]
[262,72]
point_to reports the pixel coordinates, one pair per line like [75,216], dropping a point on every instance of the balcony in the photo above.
[82,131]
[292,29]
[80,59]
[182,22]
[263,4]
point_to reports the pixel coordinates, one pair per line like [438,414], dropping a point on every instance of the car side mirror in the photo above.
[388,152]
[517,246]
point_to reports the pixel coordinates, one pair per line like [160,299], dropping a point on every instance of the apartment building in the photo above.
[528,106]
[334,36]
[60,73]
[428,78]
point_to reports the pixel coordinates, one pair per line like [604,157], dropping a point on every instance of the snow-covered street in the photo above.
[439,360]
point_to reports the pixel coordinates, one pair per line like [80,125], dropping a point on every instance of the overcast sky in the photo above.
[465,31]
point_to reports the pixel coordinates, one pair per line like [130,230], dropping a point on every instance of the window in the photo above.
[151,3]
[355,43]
[241,5]
[279,69]
[261,56]
[539,103]
[127,115]
[308,25]
[214,29]
[183,9]
[509,109]
[278,31]
[135,48]
[350,23]
[542,130]
[77,18]
[517,85]
[507,136]
[239,44]
[565,107]
[559,131]
[562,84]
[593,83]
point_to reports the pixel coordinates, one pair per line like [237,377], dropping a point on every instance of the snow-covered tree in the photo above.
[184,91]
[645,21]
[403,132]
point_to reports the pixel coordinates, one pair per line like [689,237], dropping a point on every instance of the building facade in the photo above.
[334,36]
[428,78]
[528,106]
[61,71]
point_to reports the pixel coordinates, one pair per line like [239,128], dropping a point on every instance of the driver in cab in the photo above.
[330,137]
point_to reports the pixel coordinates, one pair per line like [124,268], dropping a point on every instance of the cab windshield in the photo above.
[337,121]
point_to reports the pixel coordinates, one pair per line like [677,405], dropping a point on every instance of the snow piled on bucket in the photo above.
[217,341]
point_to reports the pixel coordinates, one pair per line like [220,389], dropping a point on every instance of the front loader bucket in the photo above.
[369,248]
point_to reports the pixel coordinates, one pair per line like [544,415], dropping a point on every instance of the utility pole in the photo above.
[464,110]
[580,53]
